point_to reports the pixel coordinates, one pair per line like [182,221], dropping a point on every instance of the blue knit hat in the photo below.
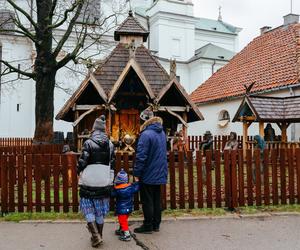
[121,177]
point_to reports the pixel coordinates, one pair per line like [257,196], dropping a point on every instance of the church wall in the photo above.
[226,41]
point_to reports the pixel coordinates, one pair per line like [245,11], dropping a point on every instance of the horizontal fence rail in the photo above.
[43,181]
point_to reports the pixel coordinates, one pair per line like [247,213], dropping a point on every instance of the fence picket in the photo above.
[37,176]
[208,178]
[218,178]
[190,179]
[282,176]
[275,198]
[266,178]
[258,176]
[65,180]
[291,176]
[233,177]
[20,169]
[199,179]
[241,178]
[249,177]
[181,180]
[56,185]
[4,182]
[297,152]
[172,180]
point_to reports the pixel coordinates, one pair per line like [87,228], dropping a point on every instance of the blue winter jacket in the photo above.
[151,155]
[124,197]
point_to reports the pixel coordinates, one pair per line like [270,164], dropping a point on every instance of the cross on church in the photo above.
[291,6]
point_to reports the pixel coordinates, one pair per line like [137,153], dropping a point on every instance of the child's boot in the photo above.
[118,232]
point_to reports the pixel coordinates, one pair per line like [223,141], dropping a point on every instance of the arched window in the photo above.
[224,118]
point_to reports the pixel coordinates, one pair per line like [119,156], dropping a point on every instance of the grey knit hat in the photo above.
[146,115]
[100,124]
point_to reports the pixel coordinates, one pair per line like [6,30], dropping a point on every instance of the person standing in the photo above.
[150,169]
[95,179]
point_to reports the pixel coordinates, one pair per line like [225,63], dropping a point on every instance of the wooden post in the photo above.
[76,131]
[245,136]
[261,129]
[184,131]
[283,132]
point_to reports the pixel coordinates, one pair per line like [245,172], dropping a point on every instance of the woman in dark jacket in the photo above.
[95,181]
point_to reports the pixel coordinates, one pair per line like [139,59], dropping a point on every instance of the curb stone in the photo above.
[179,218]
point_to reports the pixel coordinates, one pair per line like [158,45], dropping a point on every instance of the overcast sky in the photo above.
[250,15]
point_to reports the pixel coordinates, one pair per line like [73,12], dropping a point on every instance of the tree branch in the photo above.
[73,54]
[16,7]
[13,69]
[74,5]
[69,29]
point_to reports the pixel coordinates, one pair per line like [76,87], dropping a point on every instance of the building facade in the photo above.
[200,47]
[271,62]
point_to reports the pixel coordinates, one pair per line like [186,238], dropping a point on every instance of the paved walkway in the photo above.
[276,232]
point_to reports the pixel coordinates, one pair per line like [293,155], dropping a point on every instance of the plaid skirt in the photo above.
[94,207]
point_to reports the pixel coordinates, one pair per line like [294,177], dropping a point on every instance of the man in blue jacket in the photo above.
[151,169]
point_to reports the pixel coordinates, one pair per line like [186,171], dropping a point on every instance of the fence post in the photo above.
[233,181]
[172,180]
[181,180]
[228,201]
[199,179]
[297,152]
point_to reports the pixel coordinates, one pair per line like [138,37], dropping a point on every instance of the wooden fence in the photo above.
[48,182]
[12,142]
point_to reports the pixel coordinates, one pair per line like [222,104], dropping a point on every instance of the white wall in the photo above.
[15,123]
[226,41]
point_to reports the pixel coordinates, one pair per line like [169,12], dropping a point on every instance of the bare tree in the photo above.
[50,25]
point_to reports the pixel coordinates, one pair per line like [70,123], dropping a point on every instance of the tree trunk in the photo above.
[44,108]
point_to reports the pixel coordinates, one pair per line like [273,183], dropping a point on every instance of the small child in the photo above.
[123,192]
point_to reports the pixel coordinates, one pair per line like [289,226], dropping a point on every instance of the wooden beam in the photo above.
[174,108]
[261,129]
[178,116]
[75,123]
[85,107]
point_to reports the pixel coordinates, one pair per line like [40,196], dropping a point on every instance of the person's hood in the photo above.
[155,123]
[99,137]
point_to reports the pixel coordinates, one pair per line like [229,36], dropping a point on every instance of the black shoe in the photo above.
[125,236]
[143,230]
[156,229]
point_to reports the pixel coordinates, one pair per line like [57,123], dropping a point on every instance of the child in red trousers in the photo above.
[124,193]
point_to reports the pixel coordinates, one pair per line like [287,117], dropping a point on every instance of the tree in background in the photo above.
[49,25]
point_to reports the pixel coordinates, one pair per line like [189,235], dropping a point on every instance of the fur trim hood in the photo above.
[151,121]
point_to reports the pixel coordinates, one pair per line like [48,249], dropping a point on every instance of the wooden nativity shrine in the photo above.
[128,81]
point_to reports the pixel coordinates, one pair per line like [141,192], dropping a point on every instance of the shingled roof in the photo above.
[108,73]
[272,60]
[131,26]
[270,109]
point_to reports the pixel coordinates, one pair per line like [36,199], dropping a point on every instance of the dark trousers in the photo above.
[150,198]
